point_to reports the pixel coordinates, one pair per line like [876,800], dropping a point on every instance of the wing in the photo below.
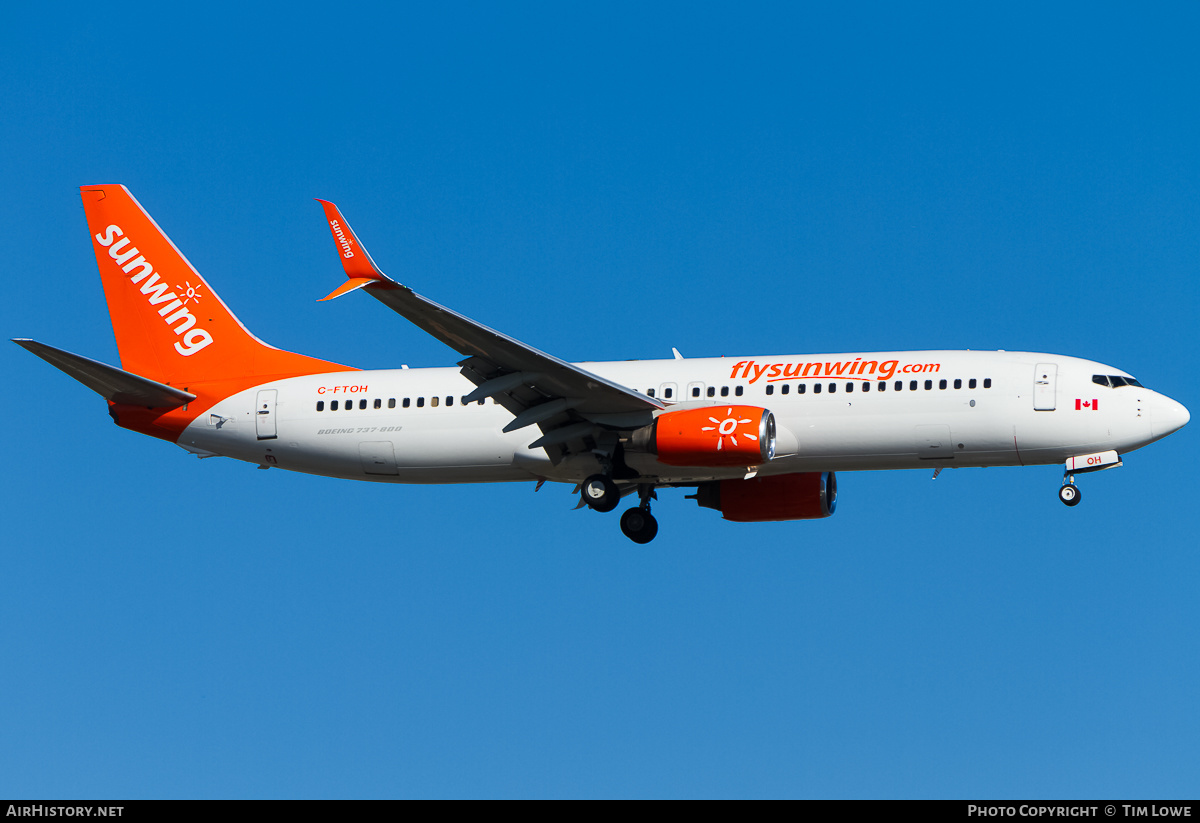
[568,403]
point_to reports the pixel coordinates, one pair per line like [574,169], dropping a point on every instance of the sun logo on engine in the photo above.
[190,293]
[728,428]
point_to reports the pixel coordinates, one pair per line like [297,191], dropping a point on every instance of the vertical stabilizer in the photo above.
[169,323]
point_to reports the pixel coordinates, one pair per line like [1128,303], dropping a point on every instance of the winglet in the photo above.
[360,268]
[347,287]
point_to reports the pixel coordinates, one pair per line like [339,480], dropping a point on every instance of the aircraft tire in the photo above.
[600,493]
[1070,494]
[639,525]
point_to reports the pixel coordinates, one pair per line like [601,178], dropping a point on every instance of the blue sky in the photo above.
[605,182]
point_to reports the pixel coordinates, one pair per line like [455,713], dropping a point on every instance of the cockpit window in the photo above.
[1114,381]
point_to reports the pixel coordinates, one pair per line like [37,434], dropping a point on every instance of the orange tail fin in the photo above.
[170,325]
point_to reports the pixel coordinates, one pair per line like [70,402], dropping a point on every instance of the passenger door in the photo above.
[1045,386]
[264,414]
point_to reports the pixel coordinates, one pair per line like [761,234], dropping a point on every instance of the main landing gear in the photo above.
[639,525]
[600,493]
[1070,493]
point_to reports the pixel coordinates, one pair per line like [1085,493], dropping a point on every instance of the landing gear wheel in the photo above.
[639,525]
[600,493]
[1070,494]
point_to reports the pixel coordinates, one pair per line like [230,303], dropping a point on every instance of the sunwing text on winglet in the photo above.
[360,268]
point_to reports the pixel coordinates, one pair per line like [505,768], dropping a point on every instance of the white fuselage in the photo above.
[415,429]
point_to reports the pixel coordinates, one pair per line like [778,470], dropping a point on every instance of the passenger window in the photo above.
[958,383]
[866,386]
[695,391]
[928,385]
[849,387]
[816,388]
[667,394]
[784,389]
[912,386]
[712,392]
[391,402]
[407,402]
[433,402]
[800,388]
[832,388]
[941,384]
[649,392]
[450,400]
[320,405]
[770,389]
[971,384]
[420,402]
[724,391]
[362,404]
[378,403]
[333,405]
[883,385]
[987,382]
[900,385]
[738,391]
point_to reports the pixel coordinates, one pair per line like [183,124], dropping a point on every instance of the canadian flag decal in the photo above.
[1093,404]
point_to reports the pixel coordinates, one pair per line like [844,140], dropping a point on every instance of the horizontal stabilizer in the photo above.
[109,382]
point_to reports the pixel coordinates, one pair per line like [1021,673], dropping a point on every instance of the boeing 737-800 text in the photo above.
[758,438]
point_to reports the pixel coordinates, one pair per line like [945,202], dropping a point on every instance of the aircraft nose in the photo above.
[1169,416]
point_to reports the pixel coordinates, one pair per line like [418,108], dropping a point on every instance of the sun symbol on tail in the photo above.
[728,428]
[190,293]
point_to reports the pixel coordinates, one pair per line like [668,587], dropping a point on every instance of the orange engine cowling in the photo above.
[803,496]
[714,436]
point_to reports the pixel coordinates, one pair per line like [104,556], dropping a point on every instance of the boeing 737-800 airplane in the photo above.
[758,437]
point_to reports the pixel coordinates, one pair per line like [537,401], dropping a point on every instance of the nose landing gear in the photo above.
[1070,493]
[1081,464]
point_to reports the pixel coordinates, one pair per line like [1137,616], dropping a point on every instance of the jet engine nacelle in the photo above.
[710,436]
[803,496]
